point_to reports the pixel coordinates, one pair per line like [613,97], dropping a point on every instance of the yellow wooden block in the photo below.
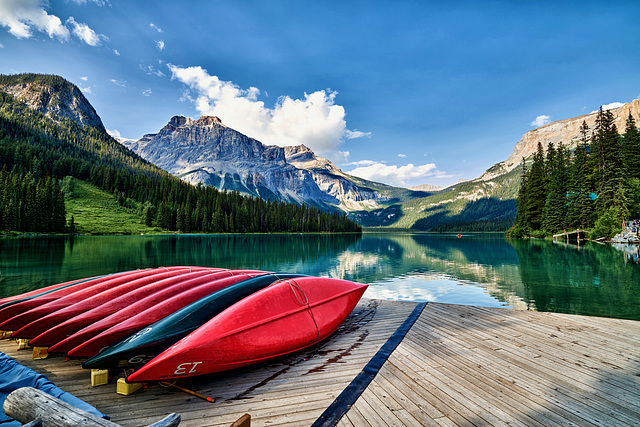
[23,343]
[126,388]
[40,353]
[99,377]
[5,334]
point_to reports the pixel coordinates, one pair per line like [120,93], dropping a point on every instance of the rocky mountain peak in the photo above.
[566,132]
[208,121]
[52,96]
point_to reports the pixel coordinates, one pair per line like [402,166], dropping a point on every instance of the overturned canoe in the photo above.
[283,318]
[140,347]
[17,315]
[70,320]
[103,333]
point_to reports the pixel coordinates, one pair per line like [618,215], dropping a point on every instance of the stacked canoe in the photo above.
[181,321]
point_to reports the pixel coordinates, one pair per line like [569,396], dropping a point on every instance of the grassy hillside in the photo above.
[475,205]
[97,212]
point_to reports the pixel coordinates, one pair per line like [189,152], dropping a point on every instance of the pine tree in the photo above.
[631,148]
[536,190]
[555,209]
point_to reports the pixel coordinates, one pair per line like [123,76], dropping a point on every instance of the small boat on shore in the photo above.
[285,317]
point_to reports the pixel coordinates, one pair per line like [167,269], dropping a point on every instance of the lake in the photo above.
[482,270]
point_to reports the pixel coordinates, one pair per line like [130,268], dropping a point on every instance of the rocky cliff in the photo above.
[208,152]
[565,131]
[52,96]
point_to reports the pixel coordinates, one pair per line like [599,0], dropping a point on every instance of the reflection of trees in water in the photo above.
[591,280]
[32,253]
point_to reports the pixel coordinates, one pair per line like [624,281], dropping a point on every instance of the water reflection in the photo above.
[484,270]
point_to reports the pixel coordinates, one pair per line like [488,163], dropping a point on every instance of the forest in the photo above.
[593,187]
[36,152]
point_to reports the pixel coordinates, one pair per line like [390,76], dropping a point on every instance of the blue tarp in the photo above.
[13,376]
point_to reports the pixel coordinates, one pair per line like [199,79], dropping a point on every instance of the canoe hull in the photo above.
[283,318]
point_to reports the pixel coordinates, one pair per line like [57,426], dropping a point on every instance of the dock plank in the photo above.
[457,366]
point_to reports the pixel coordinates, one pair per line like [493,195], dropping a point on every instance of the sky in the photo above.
[401,92]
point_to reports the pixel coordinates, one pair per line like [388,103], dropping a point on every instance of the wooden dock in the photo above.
[456,365]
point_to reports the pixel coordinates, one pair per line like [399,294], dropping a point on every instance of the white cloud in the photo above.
[353,134]
[402,156]
[116,52]
[84,79]
[315,120]
[114,133]
[86,89]
[160,45]
[22,17]
[84,33]
[363,163]
[610,106]
[541,121]
[120,83]
[151,70]
[1,46]
[155,27]
[147,92]
[401,176]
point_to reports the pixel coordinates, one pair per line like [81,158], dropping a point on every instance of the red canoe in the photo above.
[91,340]
[281,319]
[112,303]
[37,320]
[32,294]
[101,324]
[21,307]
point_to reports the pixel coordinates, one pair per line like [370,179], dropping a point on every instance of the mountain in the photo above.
[486,203]
[208,152]
[565,131]
[50,133]
[52,96]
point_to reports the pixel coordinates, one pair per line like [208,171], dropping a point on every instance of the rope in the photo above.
[292,284]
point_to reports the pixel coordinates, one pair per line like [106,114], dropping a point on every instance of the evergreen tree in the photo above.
[631,148]
[536,195]
[555,209]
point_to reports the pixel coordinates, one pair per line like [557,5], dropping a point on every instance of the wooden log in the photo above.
[28,404]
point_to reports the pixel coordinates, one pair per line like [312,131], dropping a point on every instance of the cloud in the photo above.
[147,92]
[86,89]
[151,70]
[84,33]
[24,17]
[363,163]
[155,27]
[541,121]
[160,45]
[1,46]
[402,156]
[610,106]
[116,52]
[315,120]
[114,133]
[400,176]
[120,83]
[84,79]
[353,134]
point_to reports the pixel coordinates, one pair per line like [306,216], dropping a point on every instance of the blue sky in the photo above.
[402,92]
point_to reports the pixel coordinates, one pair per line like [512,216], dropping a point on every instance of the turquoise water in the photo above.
[483,270]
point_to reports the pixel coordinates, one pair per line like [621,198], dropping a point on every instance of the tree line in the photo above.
[593,187]
[36,152]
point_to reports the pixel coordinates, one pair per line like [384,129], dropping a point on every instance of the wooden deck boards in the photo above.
[458,365]
[294,390]
[463,365]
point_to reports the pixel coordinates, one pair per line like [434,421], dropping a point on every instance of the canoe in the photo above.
[5,302]
[29,303]
[283,318]
[136,349]
[35,321]
[71,319]
[143,312]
